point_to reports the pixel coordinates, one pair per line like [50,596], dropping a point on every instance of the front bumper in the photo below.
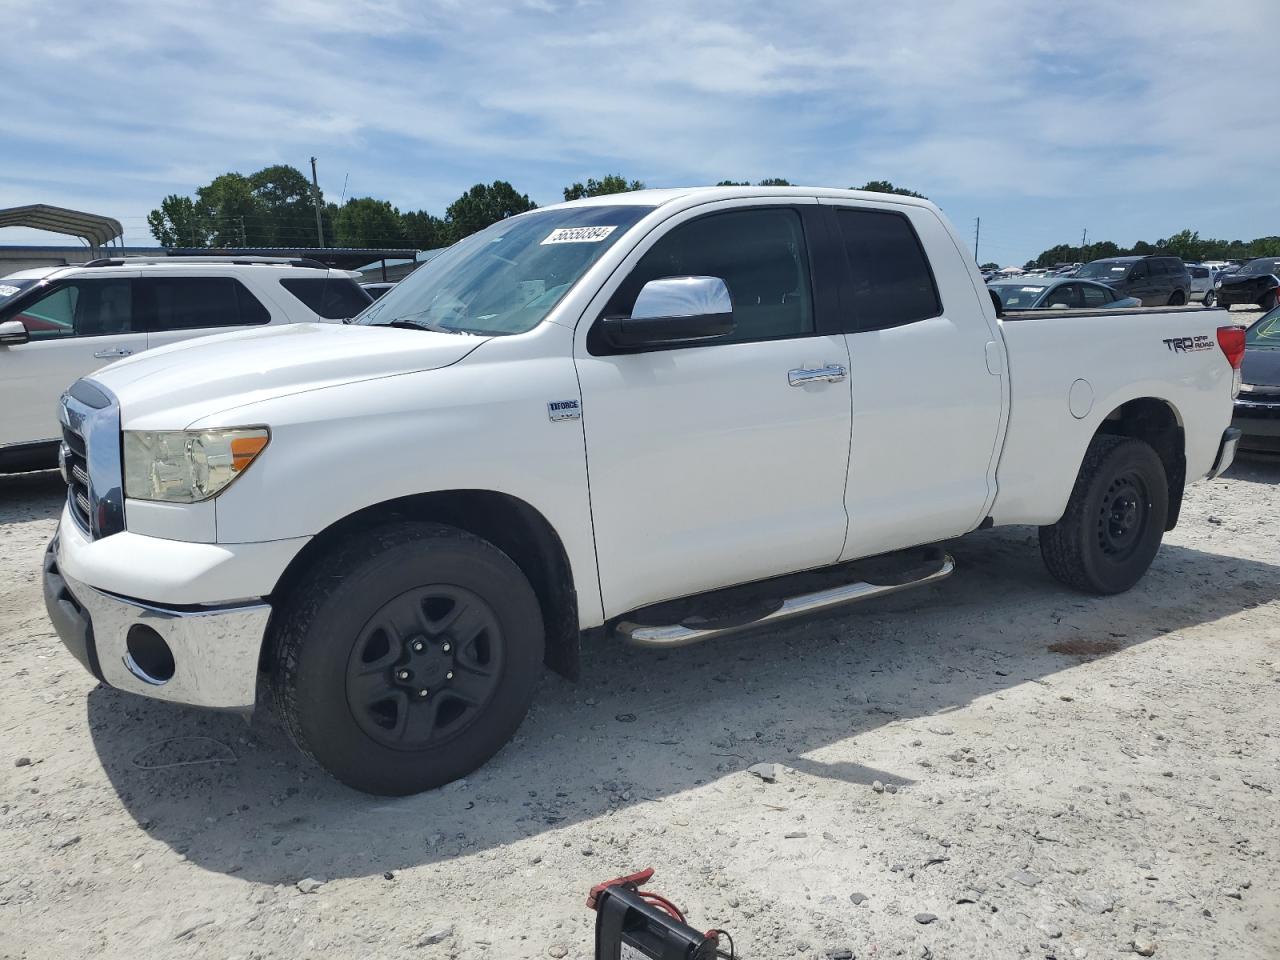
[213,650]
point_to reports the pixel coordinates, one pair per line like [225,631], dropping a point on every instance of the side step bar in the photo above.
[689,631]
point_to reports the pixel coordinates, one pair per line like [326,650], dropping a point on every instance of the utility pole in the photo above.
[315,195]
[1084,240]
[977,232]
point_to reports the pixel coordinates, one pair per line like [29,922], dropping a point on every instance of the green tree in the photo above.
[366,222]
[284,199]
[884,186]
[235,217]
[990,266]
[773,182]
[482,205]
[610,183]
[424,231]
[734,183]
[175,223]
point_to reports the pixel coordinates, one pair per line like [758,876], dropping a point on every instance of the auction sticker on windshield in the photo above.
[578,234]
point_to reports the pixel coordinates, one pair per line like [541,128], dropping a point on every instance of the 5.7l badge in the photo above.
[564,410]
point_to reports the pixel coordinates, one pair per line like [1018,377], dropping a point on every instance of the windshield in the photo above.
[1015,296]
[1104,270]
[10,288]
[507,277]
[1254,267]
[1265,334]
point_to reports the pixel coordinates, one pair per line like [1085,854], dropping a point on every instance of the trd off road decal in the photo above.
[1189,344]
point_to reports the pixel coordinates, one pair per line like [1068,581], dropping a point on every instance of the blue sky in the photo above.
[1132,120]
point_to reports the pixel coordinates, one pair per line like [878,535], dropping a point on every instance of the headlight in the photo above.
[187,466]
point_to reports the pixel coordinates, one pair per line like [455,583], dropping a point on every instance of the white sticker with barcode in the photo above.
[579,234]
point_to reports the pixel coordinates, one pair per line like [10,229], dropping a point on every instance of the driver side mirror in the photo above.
[12,333]
[671,311]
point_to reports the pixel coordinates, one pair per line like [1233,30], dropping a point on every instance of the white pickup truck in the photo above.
[668,414]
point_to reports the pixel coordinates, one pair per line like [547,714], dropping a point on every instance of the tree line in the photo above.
[275,207]
[1187,244]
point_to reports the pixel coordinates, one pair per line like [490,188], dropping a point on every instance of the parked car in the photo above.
[1257,408]
[762,389]
[1039,293]
[1203,284]
[1156,281]
[1257,283]
[376,288]
[64,323]
[14,283]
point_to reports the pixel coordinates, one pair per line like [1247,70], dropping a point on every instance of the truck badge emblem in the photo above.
[564,410]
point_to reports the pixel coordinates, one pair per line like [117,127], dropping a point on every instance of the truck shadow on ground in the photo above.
[643,726]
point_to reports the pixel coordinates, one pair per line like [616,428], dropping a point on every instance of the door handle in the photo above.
[831,373]
[118,352]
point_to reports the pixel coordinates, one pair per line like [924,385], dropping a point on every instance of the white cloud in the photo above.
[997,98]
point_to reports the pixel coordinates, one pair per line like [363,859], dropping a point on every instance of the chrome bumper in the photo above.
[214,650]
[1226,452]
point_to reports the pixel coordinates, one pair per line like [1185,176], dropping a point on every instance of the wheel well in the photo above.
[510,524]
[1156,422]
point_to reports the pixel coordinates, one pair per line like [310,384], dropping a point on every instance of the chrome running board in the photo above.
[681,634]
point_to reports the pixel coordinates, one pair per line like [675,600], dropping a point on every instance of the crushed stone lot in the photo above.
[990,767]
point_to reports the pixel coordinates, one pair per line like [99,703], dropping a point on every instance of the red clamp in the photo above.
[632,881]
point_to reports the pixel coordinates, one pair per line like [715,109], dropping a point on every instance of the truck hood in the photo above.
[195,378]
[1261,366]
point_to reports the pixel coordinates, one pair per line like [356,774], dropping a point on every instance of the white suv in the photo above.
[59,324]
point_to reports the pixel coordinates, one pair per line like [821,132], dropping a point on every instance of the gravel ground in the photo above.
[992,767]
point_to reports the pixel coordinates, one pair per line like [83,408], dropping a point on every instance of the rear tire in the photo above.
[394,612]
[1114,520]
[1269,301]
[1210,298]
[1177,299]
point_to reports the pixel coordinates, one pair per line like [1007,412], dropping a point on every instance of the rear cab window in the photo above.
[892,282]
[333,298]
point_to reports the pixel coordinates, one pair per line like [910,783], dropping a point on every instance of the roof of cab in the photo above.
[693,195]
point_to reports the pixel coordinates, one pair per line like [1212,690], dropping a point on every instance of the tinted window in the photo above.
[83,308]
[1064,295]
[759,254]
[1159,268]
[334,298]
[1095,296]
[192,303]
[1104,269]
[892,281]
[1199,273]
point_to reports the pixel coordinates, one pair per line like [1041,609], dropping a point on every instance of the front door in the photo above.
[926,369]
[707,466]
[75,327]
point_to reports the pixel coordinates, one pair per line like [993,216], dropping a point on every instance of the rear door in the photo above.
[173,308]
[926,367]
[76,326]
[714,463]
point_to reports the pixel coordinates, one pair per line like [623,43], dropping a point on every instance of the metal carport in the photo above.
[94,230]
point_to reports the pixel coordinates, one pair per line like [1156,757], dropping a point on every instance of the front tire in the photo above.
[1270,300]
[1177,299]
[1114,521]
[408,657]
[1210,298]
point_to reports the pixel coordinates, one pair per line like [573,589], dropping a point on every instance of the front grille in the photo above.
[90,459]
[76,472]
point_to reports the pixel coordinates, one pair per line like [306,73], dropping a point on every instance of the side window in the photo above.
[80,308]
[760,254]
[1095,296]
[1159,268]
[194,303]
[1064,295]
[335,298]
[892,281]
